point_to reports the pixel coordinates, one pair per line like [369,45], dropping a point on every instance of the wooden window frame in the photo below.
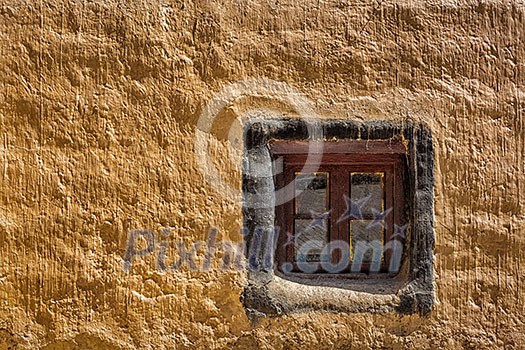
[340,159]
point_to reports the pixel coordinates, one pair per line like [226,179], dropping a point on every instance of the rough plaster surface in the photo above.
[98,106]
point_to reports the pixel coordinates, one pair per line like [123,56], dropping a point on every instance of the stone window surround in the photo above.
[270,293]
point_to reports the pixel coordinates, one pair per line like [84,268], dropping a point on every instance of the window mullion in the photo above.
[389,204]
[338,191]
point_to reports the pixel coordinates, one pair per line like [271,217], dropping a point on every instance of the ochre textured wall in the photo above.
[98,106]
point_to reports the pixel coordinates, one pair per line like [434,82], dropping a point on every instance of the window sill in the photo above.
[273,295]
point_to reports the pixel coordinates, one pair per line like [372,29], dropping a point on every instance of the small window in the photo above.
[345,228]
[347,216]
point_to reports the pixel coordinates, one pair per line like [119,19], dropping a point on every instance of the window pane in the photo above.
[366,190]
[311,193]
[367,240]
[310,239]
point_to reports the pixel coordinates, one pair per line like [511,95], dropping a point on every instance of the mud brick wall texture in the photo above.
[99,110]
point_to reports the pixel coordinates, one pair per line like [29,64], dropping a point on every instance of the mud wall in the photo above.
[99,103]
